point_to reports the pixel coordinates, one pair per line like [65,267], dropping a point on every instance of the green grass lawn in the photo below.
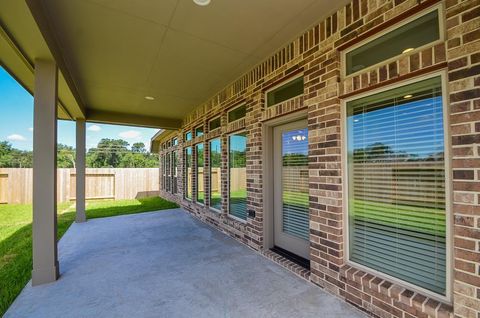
[16,236]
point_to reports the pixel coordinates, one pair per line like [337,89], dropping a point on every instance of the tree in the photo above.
[65,156]
[107,154]
[14,158]
[139,147]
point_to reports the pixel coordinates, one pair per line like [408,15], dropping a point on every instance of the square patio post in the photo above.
[80,175]
[45,258]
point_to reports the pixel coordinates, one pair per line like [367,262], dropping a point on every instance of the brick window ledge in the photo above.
[369,291]
[288,264]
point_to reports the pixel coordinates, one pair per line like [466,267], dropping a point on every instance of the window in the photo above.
[237,145]
[175,141]
[396,184]
[200,163]
[168,172]
[285,92]
[402,39]
[188,174]
[215,174]
[199,131]
[237,113]
[214,123]
[162,177]
[188,136]
[174,172]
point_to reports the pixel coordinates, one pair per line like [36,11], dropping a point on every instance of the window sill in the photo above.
[234,218]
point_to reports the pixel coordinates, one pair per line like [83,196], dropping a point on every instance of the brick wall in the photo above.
[316,55]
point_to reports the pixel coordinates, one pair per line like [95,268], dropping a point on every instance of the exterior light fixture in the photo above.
[202,2]
[408,50]
[149,98]
[408,96]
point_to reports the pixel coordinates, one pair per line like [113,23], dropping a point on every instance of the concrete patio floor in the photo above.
[168,264]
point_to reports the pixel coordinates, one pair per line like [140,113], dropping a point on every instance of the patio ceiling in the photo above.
[113,53]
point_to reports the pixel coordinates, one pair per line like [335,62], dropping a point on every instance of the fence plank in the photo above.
[101,183]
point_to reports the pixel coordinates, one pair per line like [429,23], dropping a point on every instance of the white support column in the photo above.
[80,166]
[45,258]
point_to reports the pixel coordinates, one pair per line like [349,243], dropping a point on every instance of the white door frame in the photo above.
[281,239]
[267,159]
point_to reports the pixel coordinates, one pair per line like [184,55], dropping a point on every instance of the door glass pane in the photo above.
[188,175]
[200,187]
[237,170]
[215,174]
[295,183]
[396,179]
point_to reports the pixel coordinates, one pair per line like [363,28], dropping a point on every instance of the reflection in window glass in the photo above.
[406,38]
[215,174]
[174,172]
[396,179]
[237,113]
[162,177]
[168,171]
[175,141]
[295,207]
[285,92]
[188,174]
[188,136]
[200,163]
[214,124]
[199,131]
[237,144]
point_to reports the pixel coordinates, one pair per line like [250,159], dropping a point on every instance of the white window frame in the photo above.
[233,217]
[282,83]
[441,25]
[448,298]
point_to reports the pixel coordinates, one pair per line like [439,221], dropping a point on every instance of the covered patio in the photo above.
[168,264]
[341,135]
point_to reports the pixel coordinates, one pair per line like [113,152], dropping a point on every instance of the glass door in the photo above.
[291,213]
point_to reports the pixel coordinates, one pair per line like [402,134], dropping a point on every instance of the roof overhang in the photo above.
[113,54]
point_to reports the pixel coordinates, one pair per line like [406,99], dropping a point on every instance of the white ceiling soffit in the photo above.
[116,52]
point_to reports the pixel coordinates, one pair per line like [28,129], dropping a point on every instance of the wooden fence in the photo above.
[101,183]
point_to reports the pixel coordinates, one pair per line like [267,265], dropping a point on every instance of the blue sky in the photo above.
[16,121]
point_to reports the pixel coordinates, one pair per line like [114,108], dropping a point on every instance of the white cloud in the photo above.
[94,128]
[16,137]
[130,134]
[31,128]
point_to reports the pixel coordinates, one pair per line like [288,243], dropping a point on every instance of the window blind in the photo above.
[396,175]
[295,205]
